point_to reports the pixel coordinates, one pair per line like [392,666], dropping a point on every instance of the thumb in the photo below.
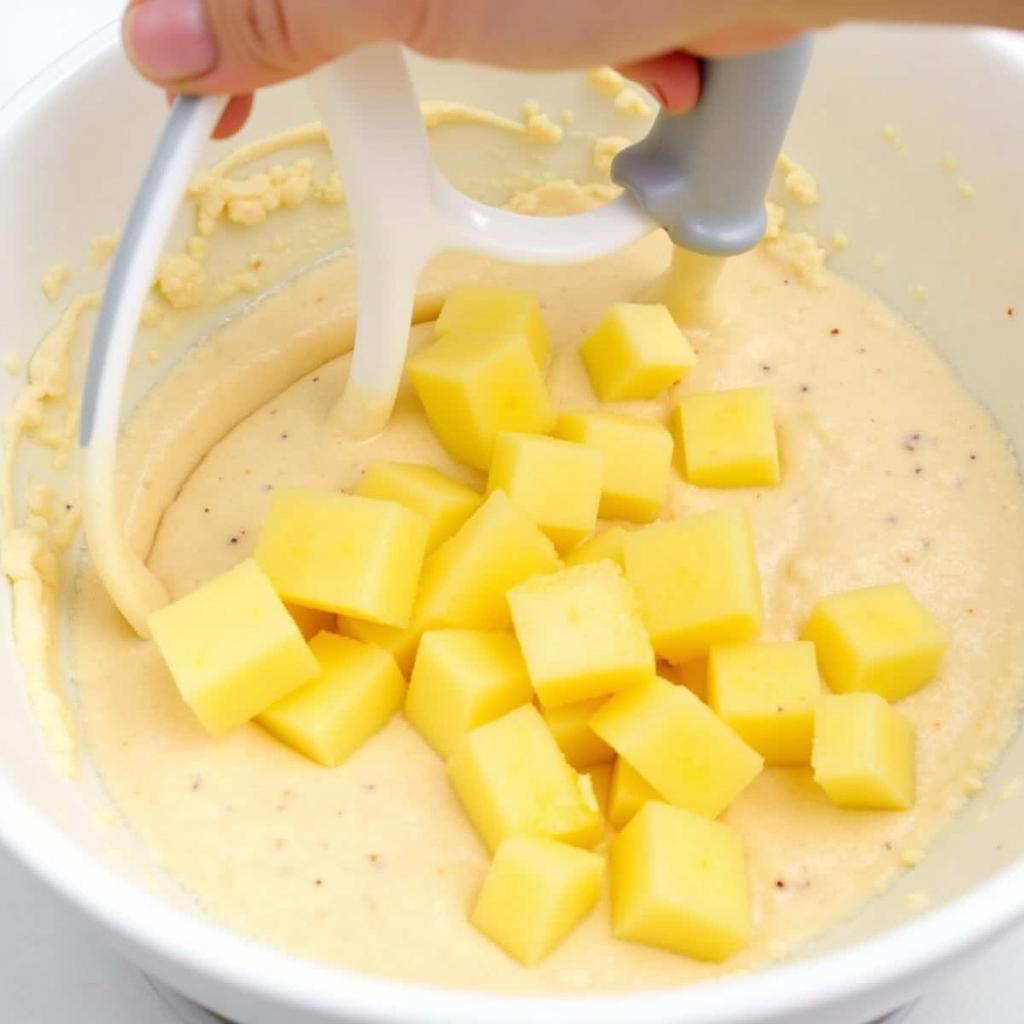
[236,46]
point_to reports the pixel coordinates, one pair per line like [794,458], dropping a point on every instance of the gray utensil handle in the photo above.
[704,175]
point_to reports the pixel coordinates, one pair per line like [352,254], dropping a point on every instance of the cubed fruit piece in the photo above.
[602,546]
[444,503]
[863,753]
[879,639]
[679,882]
[462,679]
[581,633]
[401,644]
[628,793]
[232,648]
[477,309]
[358,690]
[697,581]
[635,353]
[310,620]
[475,386]
[679,745]
[728,438]
[536,891]
[339,553]
[637,461]
[691,674]
[513,780]
[466,580]
[600,776]
[570,725]
[767,694]
[557,482]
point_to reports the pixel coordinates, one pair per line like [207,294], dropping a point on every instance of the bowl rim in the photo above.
[201,948]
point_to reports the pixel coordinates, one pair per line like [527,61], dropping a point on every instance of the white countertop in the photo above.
[52,970]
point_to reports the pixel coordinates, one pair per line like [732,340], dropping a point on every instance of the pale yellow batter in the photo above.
[891,472]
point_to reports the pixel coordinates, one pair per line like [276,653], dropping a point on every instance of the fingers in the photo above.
[234,117]
[673,77]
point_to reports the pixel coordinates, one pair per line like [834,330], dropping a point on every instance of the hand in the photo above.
[237,46]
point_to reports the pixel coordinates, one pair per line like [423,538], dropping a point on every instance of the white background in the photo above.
[52,971]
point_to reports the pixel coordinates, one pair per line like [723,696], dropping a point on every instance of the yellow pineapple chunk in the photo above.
[697,581]
[635,353]
[637,461]
[513,780]
[232,648]
[358,690]
[691,674]
[863,753]
[581,633]
[879,639]
[478,309]
[462,679]
[475,386]
[401,644]
[678,745]
[339,553]
[444,503]
[557,482]
[465,581]
[679,882]
[535,893]
[728,438]
[628,793]
[600,776]
[310,620]
[767,694]
[607,544]
[570,725]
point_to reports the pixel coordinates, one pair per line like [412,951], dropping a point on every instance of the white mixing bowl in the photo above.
[71,149]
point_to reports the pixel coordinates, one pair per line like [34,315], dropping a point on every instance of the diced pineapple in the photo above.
[637,461]
[697,581]
[600,776]
[863,753]
[605,545]
[557,482]
[462,679]
[570,725]
[678,745]
[401,644]
[478,309]
[767,694]
[629,792]
[444,503]
[581,633]
[513,780]
[879,639]
[636,352]
[339,553]
[679,882]
[727,438]
[475,386]
[358,690]
[465,581]
[536,892]
[232,648]
[310,620]
[691,674]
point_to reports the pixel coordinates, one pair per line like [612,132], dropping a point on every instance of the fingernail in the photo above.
[170,40]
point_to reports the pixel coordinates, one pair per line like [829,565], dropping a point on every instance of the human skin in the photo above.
[238,46]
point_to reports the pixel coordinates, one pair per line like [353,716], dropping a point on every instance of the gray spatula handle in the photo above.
[704,175]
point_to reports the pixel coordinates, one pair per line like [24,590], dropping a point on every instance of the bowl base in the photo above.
[192,1013]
